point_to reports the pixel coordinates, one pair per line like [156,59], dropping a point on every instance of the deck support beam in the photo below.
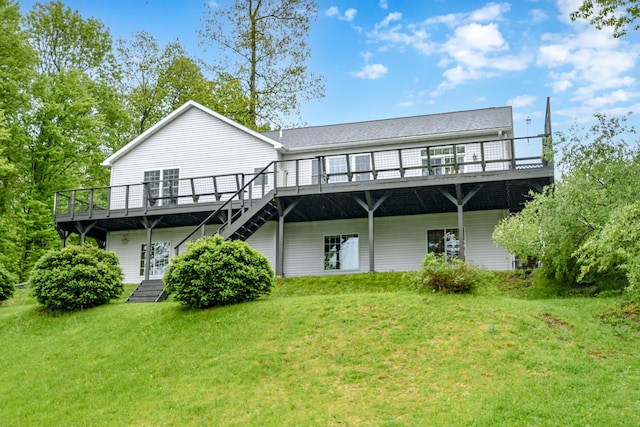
[64,234]
[282,213]
[371,206]
[460,200]
[83,230]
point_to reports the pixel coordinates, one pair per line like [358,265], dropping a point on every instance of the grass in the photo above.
[344,350]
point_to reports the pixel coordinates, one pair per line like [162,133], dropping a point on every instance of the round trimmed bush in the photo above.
[76,278]
[214,272]
[7,282]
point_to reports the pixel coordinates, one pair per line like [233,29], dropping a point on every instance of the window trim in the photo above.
[259,181]
[343,237]
[153,272]
[441,160]
[445,230]
[160,187]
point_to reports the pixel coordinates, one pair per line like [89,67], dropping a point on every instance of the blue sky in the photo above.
[393,58]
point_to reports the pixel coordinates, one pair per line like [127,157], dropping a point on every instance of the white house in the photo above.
[353,197]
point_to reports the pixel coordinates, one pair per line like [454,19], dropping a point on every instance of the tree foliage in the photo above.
[600,176]
[264,44]
[214,272]
[616,247]
[619,15]
[7,282]
[65,117]
[157,81]
[76,278]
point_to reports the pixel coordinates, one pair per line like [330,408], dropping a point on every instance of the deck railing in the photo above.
[322,171]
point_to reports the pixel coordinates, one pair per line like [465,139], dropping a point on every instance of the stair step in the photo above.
[149,291]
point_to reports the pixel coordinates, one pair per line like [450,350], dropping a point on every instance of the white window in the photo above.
[442,159]
[341,252]
[359,166]
[260,180]
[444,241]
[160,252]
[361,162]
[161,186]
[337,169]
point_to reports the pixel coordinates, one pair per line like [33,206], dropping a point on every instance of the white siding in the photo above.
[196,143]
[128,249]
[400,242]
[304,245]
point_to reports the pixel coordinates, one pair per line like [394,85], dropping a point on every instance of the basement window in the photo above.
[160,252]
[341,252]
[444,241]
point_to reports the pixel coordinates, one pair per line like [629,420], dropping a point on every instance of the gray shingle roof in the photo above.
[404,127]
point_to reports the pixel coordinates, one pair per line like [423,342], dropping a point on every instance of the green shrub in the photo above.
[453,276]
[214,272]
[7,282]
[76,277]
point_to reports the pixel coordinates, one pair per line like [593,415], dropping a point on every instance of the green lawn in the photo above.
[346,350]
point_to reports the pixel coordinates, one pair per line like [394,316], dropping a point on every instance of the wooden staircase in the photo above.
[250,220]
[149,291]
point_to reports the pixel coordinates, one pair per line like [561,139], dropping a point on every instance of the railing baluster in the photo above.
[73,204]
[91,203]
[400,166]
[126,201]
[108,202]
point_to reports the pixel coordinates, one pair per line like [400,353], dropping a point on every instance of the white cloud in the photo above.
[394,16]
[332,11]
[566,7]
[371,72]
[521,101]
[490,12]
[589,61]
[348,15]
[384,4]
[537,16]
[366,55]
[399,35]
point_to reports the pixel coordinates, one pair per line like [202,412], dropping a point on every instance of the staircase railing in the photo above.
[228,204]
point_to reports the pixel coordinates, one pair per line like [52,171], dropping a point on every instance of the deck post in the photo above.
[370,206]
[460,200]
[282,213]
[460,206]
[149,225]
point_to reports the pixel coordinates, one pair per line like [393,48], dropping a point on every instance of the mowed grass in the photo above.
[346,350]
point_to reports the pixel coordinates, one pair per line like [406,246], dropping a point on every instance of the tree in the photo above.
[72,119]
[158,81]
[616,247]
[616,14]
[264,44]
[17,63]
[601,175]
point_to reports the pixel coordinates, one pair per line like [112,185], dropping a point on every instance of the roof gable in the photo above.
[172,117]
[395,129]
